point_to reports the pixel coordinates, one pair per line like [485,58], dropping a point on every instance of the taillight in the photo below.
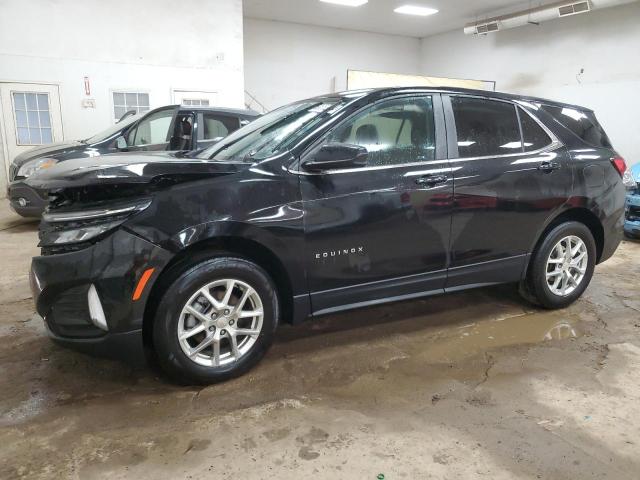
[619,164]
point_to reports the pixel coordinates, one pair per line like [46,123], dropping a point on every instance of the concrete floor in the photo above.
[472,385]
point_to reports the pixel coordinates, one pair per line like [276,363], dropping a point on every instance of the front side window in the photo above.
[152,130]
[533,135]
[393,132]
[485,128]
[124,102]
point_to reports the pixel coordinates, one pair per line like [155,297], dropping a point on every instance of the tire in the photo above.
[215,322]
[550,271]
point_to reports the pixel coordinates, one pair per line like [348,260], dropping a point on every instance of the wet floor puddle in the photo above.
[454,343]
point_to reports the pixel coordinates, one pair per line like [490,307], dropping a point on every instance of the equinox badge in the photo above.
[340,252]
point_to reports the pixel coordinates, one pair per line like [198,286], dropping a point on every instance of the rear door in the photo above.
[380,231]
[510,175]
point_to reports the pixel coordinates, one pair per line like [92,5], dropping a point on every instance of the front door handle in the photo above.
[548,166]
[431,180]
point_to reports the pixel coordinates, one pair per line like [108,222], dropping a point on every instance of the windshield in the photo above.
[274,132]
[113,129]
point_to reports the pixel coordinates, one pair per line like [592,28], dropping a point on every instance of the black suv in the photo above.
[171,128]
[324,205]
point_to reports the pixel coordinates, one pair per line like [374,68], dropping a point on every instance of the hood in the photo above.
[49,150]
[132,168]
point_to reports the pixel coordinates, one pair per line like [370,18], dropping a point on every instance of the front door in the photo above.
[31,116]
[380,231]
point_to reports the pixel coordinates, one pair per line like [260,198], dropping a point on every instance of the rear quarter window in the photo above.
[582,123]
[533,136]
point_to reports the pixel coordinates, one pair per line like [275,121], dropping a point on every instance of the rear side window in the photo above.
[533,135]
[215,126]
[580,122]
[486,127]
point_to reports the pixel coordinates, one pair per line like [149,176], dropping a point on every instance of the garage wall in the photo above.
[147,45]
[288,61]
[545,60]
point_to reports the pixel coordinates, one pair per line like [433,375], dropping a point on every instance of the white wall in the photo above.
[544,61]
[288,61]
[151,45]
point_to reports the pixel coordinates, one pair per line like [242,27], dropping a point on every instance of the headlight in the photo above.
[32,166]
[65,227]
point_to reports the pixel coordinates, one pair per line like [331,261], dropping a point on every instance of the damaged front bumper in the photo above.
[86,296]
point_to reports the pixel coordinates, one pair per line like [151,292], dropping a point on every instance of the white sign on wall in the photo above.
[359,79]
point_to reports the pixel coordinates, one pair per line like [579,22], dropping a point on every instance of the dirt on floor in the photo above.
[472,385]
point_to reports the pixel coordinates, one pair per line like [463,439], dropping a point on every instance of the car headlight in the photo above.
[67,227]
[32,166]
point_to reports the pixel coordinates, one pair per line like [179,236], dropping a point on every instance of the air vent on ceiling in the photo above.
[574,8]
[485,28]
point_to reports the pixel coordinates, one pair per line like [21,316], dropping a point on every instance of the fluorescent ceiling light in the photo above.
[347,3]
[415,10]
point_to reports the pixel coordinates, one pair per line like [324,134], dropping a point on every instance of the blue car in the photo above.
[632,207]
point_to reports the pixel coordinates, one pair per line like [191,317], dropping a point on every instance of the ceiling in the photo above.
[378,15]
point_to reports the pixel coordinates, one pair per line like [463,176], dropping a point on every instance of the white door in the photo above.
[30,117]
[195,98]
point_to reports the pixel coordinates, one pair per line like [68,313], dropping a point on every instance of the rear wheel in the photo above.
[562,266]
[215,321]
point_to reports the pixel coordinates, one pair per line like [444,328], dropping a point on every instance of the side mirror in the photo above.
[121,143]
[337,156]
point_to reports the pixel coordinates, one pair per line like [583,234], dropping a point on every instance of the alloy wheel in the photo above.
[220,322]
[566,265]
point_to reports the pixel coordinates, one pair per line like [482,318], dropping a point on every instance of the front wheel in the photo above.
[215,321]
[561,267]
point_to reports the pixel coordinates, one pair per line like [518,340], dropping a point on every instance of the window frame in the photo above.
[439,131]
[26,111]
[452,131]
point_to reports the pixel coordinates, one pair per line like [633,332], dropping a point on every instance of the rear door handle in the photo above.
[431,180]
[548,166]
